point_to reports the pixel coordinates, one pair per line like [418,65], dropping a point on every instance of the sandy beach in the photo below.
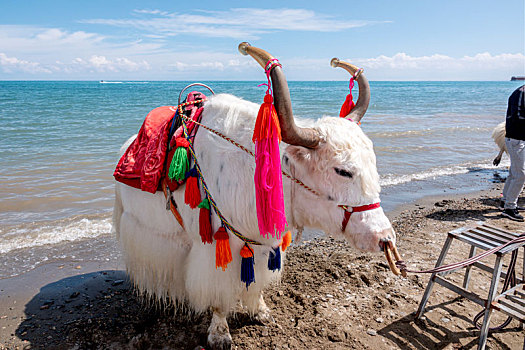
[331,297]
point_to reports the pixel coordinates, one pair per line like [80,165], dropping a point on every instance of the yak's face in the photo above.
[343,171]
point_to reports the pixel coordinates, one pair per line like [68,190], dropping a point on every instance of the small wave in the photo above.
[392,180]
[427,132]
[27,236]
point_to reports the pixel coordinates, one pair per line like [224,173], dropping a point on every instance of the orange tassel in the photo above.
[287,239]
[204,222]
[192,195]
[223,254]
[263,129]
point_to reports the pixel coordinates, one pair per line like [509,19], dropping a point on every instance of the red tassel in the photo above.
[287,239]
[192,195]
[349,102]
[204,222]
[223,254]
[265,128]
[347,106]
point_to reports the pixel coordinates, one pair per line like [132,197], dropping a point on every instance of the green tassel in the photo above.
[205,204]
[179,164]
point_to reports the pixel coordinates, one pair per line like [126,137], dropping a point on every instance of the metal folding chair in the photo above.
[486,237]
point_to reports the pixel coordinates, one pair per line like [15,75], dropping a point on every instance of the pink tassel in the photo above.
[268,179]
[269,188]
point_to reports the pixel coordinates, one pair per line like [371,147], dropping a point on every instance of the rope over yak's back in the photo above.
[216,254]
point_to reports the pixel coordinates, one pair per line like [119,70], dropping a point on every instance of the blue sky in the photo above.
[170,40]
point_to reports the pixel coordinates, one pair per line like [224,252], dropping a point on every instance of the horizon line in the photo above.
[254,80]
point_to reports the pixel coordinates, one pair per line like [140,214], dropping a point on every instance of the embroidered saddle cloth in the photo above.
[143,164]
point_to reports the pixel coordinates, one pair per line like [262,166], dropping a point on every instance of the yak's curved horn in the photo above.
[364,89]
[291,133]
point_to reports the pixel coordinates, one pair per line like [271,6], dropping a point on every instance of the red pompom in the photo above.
[181,142]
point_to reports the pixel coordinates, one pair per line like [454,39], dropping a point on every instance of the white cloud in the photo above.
[59,37]
[54,53]
[13,64]
[94,64]
[103,64]
[245,23]
[480,60]
[152,12]
[225,64]
[47,43]
[441,67]
[34,39]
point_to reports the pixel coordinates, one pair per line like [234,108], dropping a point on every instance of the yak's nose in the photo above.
[391,253]
[387,235]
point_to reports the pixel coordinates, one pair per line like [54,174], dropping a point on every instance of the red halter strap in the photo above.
[356,210]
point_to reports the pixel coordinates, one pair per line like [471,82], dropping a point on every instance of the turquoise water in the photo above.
[59,143]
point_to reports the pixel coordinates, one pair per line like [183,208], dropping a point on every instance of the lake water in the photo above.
[59,143]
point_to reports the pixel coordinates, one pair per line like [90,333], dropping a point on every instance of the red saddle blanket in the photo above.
[143,163]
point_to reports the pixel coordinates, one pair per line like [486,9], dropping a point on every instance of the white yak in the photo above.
[330,155]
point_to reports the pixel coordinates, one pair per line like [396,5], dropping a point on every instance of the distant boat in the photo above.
[517,78]
[110,82]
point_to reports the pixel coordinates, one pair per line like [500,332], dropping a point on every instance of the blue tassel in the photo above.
[192,172]
[274,259]
[247,272]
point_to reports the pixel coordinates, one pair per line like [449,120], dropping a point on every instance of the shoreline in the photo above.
[60,304]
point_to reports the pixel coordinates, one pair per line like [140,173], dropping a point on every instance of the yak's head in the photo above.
[336,160]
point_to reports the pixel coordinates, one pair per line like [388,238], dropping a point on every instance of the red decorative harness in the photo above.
[356,210]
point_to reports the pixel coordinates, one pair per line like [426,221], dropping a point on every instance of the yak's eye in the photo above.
[343,172]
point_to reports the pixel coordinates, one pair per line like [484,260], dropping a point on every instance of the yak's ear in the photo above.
[299,154]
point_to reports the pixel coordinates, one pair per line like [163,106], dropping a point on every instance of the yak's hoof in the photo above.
[264,316]
[220,341]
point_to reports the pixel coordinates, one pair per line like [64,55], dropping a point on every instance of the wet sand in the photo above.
[331,297]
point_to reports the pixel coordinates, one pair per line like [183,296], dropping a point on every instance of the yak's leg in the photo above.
[219,333]
[253,300]
[498,158]
[263,313]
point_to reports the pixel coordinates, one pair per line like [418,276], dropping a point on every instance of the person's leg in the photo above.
[508,180]
[516,178]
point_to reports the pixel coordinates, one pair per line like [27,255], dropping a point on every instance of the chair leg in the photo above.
[523,272]
[522,325]
[466,280]
[488,308]
[431,282]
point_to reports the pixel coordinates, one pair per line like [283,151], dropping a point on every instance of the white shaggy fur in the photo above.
[498,135]
[168,262]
